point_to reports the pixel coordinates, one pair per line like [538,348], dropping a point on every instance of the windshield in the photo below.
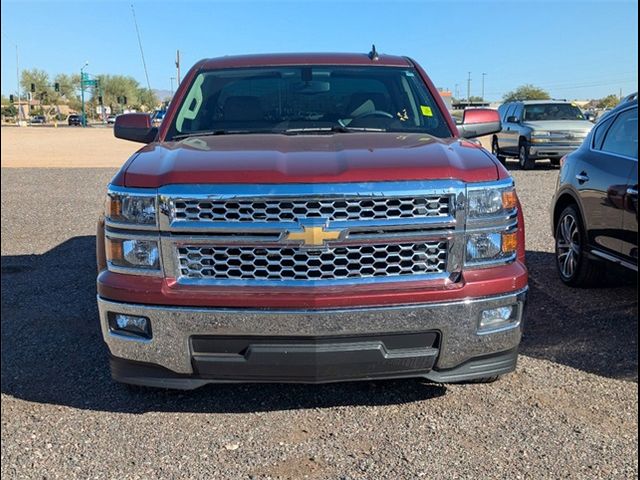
[307,100]
[552,111]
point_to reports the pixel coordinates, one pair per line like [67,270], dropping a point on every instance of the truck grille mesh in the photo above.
[285,210]
[294,263]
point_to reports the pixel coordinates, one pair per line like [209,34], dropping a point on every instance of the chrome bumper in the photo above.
[456,322]
[551,150]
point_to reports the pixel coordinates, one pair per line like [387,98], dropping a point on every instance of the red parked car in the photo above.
[310,218]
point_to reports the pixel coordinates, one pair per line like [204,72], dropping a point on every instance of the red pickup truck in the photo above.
[310,218]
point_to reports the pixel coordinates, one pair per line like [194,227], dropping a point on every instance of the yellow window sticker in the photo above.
[426,111]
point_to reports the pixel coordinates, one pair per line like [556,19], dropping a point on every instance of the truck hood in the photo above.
[561,125]
[275,158]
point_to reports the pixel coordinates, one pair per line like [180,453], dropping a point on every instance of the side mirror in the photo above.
[135,127]
[478,122]
[513,119]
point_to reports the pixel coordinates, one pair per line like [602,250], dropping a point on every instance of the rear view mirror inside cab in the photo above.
[311,87]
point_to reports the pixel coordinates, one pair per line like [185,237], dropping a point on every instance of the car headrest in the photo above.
[379,101]
[242,108]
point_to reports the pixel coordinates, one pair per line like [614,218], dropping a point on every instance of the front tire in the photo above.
[524,158]
[575,268]
[495,149]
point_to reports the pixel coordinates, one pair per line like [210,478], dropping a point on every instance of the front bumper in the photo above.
[551,150]
[313,346]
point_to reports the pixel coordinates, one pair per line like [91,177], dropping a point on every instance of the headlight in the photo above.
[540,136]
[490,247]
[132,208]
[133,253]
[490,201]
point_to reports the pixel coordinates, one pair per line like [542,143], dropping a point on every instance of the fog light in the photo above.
[130,325]
[496,317]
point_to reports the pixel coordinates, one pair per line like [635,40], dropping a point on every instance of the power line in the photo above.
[144,64]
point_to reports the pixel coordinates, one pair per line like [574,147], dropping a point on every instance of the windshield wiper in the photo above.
[331,129]
[209,133]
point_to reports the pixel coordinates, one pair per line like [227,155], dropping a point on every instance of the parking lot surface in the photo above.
[569,411]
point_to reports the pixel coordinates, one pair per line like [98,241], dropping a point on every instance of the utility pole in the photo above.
[469,89]
[178,66]
[483,75]
[457,89]
[18,86]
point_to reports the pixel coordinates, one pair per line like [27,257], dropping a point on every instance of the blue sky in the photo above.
[575,50]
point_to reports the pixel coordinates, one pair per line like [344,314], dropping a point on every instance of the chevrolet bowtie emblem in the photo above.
[313,236]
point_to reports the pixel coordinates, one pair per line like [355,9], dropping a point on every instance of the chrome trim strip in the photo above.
[492,222]
[322,190]
[441,277]
[504,183]
[614,259]
[272,227]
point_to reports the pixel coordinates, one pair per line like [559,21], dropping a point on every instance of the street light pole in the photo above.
[18,86]
[84,120]
[469,89]
[483,75]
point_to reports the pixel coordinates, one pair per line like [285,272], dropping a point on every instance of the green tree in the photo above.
[147,99]
[40,80]
[9,110]
[5,101]
[609,101]
[526,92]
[118,86]
[69,86]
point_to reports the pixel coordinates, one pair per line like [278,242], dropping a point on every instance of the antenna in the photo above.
[373,54]
[144,64]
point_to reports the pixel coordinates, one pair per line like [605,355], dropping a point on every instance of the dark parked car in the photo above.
[38,119]
[595,208]
[75,120]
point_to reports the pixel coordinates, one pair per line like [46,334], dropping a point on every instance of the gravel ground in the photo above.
[569,411]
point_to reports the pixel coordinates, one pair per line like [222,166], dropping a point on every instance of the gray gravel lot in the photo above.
[569,411]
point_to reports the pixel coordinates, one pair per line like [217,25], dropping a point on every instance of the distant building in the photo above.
[446,98]
[462,104]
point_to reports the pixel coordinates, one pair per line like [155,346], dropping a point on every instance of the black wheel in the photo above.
[526,163]
[575,268]
[496,150]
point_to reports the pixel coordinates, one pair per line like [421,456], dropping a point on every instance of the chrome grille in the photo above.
[576,135]
[284,210]
[344,262]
